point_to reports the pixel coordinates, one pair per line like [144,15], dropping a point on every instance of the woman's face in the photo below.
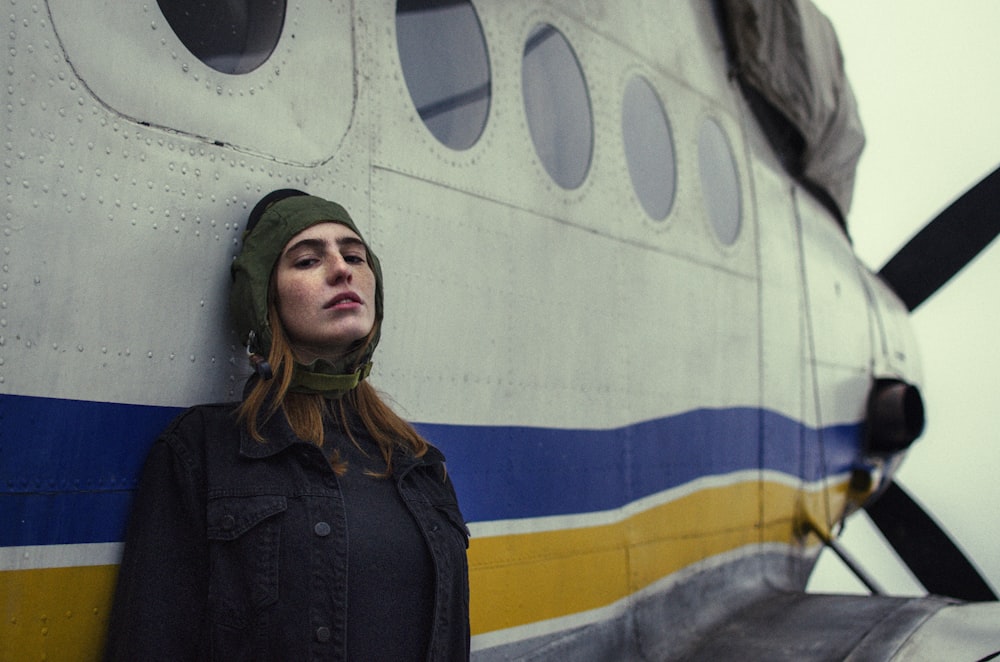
[326,291]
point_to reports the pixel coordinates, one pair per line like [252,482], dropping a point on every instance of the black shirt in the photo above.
[390,573]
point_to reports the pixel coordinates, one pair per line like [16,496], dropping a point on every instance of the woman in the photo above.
[308,522]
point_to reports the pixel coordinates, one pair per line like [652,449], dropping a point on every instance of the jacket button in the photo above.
[322,529]
[323,634]
[227,523]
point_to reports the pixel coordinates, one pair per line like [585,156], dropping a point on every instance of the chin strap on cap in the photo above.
[259,364]
[325,384]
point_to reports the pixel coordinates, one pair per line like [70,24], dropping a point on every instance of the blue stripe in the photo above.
[67,467]
[514,472]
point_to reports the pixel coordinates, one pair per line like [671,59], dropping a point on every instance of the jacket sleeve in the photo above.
[160,600]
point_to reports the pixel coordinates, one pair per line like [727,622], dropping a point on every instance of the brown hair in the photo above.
[306,412]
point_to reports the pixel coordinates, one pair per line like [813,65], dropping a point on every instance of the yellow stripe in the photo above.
[521,579]
[55,613]
[61,613]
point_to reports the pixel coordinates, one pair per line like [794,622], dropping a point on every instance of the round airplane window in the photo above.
[232,37]
[720,187]
[443,54]
[649,148]
[557,106]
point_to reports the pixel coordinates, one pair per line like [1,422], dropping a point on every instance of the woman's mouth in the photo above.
[343,300]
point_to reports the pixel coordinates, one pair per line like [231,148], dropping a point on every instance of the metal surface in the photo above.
[639,414]
[835,628]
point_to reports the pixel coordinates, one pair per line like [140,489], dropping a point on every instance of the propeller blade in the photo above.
[930,554]
[946,244]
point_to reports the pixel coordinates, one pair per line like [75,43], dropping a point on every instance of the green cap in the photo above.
[277,218]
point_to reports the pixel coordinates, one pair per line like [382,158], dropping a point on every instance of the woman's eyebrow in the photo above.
[321,244]
[344,242]
[315,244]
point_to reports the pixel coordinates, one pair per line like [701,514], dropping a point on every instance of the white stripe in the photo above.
[34,557]
[617,515]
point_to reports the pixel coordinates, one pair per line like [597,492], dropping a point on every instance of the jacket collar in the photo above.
[277,433]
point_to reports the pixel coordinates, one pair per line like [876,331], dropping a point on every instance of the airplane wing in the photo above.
[856,628]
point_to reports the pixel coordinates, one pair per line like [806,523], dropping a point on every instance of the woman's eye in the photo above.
[354,259]
[305,262]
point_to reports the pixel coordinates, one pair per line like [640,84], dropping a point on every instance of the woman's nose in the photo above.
[339,270]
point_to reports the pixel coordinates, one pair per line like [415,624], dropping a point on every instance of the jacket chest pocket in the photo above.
[244,535]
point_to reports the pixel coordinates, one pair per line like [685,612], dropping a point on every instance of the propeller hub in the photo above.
[895,416]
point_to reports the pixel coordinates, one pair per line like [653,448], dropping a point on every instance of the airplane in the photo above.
[621,297]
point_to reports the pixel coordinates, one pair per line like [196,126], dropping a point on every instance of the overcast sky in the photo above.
[927,78]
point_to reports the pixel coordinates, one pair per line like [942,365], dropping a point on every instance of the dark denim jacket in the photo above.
[235,550]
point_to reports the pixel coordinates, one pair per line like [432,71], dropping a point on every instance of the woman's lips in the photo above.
[344,300]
